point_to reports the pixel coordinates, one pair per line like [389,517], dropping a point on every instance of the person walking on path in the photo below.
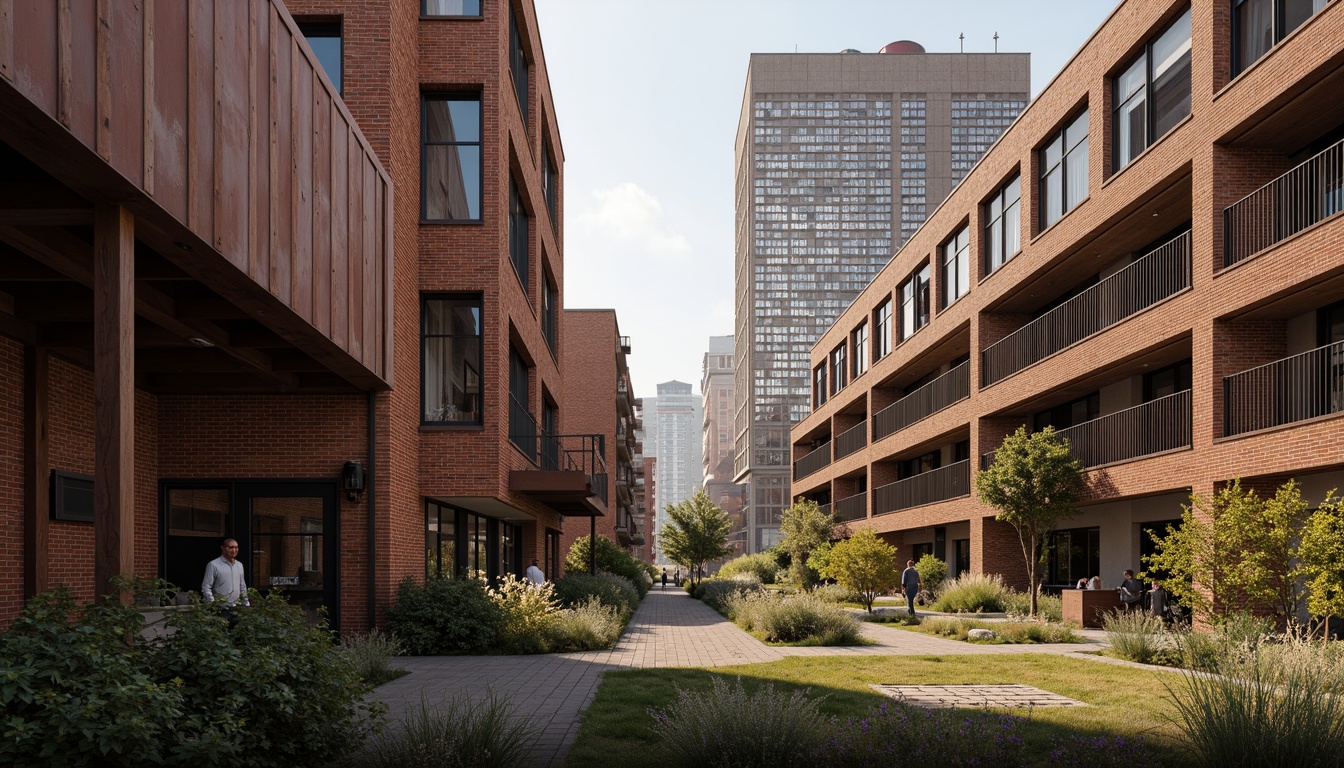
[664,578]
[535,575]
[910,583]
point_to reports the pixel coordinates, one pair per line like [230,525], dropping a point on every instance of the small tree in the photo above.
[1033,483]
[1322,556]
[696,532]
[865,564]
[805,528]
[932,572]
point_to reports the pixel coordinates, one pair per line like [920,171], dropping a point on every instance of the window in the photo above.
[324,37]
[553,560]
[838,369]
[450,7]
[450,157]
[956,274]
[440,540]
[915,302]
[522,424]
[548,178]
[548,312]
[1070,414]
[860,341]
[1160,76]
[450,342]
[819,386]
[1073,554]
[519,231]
[1167,381]
[882,324]
[550,429]
[1003,233]
[1258,25]
[518,65]
[72,499]
[1064,171]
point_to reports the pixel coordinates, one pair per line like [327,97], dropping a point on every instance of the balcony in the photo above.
[571,477]
[1297,388]
[1138,286]
[1307,195]
[929,399]
[852,507]
[623,392]
[950,482]
[624,342]
[1154,427]
[812,462]
[851,440]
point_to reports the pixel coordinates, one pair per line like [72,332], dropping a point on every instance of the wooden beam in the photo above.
[114,397]
[36,468]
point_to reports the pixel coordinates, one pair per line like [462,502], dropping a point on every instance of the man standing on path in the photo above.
[910,583]
[224,577]
[535,575]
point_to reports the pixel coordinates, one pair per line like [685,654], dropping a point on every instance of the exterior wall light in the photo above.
[352,480]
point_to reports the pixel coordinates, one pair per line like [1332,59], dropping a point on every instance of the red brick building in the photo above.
[1150,259]
[304,296]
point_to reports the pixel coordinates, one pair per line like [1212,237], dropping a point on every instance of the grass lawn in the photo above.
[1124,701]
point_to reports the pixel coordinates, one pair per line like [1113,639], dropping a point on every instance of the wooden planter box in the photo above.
[1085,607]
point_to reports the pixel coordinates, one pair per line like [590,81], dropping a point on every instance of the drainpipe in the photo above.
[370,490]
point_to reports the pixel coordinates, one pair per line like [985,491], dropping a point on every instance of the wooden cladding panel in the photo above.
[217,113]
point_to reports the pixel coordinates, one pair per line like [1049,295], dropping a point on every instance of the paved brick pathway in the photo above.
[669,630]
[948,696]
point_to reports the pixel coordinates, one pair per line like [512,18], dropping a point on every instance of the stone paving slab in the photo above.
[976,696]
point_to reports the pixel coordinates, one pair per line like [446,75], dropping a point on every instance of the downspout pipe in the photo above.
[370,489]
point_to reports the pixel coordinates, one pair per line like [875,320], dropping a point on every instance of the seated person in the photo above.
[1082,583]
[1094,582]
[1131,591]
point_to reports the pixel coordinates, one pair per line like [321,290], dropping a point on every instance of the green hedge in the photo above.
[444,616]
[612,559]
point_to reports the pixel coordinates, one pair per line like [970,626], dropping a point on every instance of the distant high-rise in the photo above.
[716,393]
[840,157]
[678,420]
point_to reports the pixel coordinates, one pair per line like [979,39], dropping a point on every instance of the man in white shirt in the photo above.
[224,576]
[535,575]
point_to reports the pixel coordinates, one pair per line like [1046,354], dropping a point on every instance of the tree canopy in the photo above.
[805,529]
[865,564]
[696,531]
[1322,555]
[1034,483]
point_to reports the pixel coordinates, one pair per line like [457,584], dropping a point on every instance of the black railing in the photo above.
[851,440]
[940,484]
[812,461]
[1306,195]
[852,507]
[1147,281]
[523,428]
[1154,427]
[559,453]
[923,402]
[825,508]
[1293,389]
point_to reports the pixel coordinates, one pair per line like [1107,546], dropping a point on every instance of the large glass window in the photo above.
[956,268]
[519,230]
[548,313]
[440,540]
[450,157]
[915,302]
[1003,233]
[1072,555]
[882,330]
[548,178]
[1258,25]
[450,335]
[518,65]
[324,37]
[522,424]
[1160,77]
[819,386]
[1167,381]
[838,369]
[450,7]
[860,342]
[1064,171]
[1070,414]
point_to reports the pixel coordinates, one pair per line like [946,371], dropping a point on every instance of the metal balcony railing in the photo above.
[1160,274]
[1306,195]
[523,428]
[1154,427]
[929,399]
[825,508]
[851,440]
[1293,389]
[940,484]
[812,461]
[852,507]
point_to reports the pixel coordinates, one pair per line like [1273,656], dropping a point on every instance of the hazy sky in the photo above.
[647,95]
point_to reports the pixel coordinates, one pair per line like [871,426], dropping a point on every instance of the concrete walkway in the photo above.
[669,630]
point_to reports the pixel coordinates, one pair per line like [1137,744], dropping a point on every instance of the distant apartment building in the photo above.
[839,159]
[642,547]
[678,421]
[716,393]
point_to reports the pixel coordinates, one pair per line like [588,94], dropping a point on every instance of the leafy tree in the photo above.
[805,528]
[696,532]
[610,558]
[1322,556]
[1033,483]
[865,564]
[932,572]
[1234,551]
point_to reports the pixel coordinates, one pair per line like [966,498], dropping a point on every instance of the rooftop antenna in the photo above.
[996,42]
[962,38]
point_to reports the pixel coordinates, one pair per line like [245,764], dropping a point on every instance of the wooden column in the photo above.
[113,395]
[36,469]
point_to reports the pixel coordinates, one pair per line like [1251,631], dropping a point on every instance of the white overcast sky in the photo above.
[647,95]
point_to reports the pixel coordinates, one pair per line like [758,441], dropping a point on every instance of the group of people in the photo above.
[1133,596]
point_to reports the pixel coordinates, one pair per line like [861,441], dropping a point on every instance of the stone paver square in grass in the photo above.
[948,696]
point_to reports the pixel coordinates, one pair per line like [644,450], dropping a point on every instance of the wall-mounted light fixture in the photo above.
[352,480]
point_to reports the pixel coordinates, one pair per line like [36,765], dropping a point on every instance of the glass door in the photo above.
[291,543]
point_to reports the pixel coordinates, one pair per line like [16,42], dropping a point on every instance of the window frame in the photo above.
[883,332]
[1279,32]
[955,264]
[479,143]
[550,322]
[323,28]
[1060,137]
[520,236]
[838,369]
[859,338]
[479,300]
[518,62]
[918,285]
[1149,94]
[480,11]
[819,390]
[1000,224]
[549,178]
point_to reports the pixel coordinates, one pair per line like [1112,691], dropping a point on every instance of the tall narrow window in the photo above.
[522,424]
[860,343]
[1003,233]
[956,271]
[518,65]
[1064,171]
[1258,25]
[450,7]
[550,429]
[819,386]
[548,312]
[915,302]
[450,157]
[882,330]
[548,178]
[450,336]
[324,37]
[838,369]
[518,234]
[1152,94]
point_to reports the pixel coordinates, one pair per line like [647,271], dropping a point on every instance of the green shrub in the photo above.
[727,726]
[1203,650]
[460,733]
[445,616]
[794,619]
[528,610]
[932,572]
[611,590]
[973,593]
[1135,635]
[835,593]
[370,655]
[612,559]
[1048,607]
[761,565]
[588,627]
[1015,632]
[715,592]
